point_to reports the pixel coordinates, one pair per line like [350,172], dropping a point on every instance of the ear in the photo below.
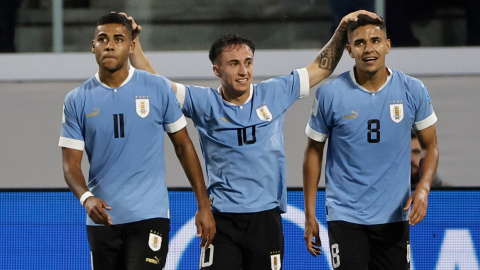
[349,49]
[93,46]
[389,45]
[216,70]
[132,47]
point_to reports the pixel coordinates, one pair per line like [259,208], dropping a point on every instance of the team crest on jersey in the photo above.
[396,112]
[264,113]
[142,106]
[154,241]
[276,262]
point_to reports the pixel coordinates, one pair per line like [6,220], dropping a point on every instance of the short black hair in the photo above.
[115,18]
[366,20]
[219,45]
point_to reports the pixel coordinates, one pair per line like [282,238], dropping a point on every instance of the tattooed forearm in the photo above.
[330,55]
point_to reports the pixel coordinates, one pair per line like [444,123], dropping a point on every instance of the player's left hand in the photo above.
[419,199]
[312,237]
[205,226]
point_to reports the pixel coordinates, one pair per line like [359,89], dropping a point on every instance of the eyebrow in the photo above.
[116,35]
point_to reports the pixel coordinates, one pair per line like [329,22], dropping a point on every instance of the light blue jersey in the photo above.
[243,145]
[368,158]
[122,132]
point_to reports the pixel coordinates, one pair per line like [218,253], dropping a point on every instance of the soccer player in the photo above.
[119,117]
[367,114]
[240,126]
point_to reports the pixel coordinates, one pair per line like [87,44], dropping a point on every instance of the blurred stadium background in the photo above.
[53,58]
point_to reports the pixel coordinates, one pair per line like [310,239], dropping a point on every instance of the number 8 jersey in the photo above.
[367,171]
[122,132]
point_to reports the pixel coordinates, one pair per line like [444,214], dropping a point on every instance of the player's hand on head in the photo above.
[312,237]
[95,208]
[419,200]
[352,17]
[137,29]
[205,226]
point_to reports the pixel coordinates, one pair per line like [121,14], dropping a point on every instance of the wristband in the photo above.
[85,196]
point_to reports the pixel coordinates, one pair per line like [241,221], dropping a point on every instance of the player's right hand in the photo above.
[312,231]
[95,208]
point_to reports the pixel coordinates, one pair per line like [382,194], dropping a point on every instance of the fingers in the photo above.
[419,210]
[96,211]
[409,203]
[210,234]
[312,238]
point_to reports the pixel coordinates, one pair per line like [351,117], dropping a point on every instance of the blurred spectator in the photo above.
[399,14]
[340,8]
[417,162]
[8,21]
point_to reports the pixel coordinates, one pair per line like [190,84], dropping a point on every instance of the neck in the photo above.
[372,81]
[113,78]
[233,96]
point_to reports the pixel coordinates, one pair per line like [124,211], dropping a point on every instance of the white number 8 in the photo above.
[335,256]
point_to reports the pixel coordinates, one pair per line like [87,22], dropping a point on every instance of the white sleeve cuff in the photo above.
[180,94]
[304,82]
[178,125]
[315,135]
[425,123]
[71,143]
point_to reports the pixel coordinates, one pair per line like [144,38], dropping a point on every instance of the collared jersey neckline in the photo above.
[131,70]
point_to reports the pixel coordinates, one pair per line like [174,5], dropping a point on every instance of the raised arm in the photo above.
[428,140]
[191,165]
[312,168]
[72,170]
[330,55]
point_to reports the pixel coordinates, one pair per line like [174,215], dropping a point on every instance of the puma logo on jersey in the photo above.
[155,260]
[95,113]
[224,119]
[351,116]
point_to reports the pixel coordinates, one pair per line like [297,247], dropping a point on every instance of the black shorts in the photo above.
[247,241]
[137,245]
[372,247]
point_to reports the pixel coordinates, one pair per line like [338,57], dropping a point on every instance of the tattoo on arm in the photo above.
[330,55]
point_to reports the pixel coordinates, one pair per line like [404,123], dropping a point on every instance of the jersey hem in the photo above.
[180,94]
[71,143]
[177,126]
[315,135]
[427,122]
[304,82]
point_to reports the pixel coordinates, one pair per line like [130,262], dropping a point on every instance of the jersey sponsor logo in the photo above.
[224,119]
[351,116]
[94,113]
[276,262]
[264,113]
[142,106]
[396,112]
[155,260]
[154,241]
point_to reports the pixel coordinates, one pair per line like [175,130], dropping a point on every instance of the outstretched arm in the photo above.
[188,158]
[312,167]
[330,55]
[428,140]
[72,170]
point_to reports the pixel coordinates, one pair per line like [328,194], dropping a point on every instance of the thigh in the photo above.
[224,252]
[349,247]
[390,246]
[263,242]
[146,244]
[106,247]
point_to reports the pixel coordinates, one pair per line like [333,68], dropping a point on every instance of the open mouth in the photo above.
[242,80]
[370,60]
